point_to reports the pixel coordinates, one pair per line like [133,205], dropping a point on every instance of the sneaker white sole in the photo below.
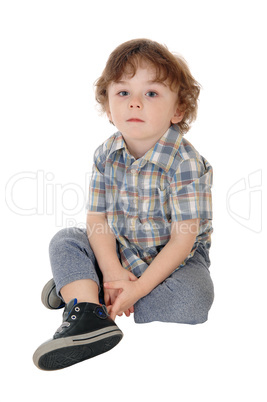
[59,353]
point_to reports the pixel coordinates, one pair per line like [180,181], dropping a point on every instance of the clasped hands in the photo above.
[121,294]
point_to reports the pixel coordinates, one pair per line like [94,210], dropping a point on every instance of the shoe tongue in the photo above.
[68,308]
[72,303]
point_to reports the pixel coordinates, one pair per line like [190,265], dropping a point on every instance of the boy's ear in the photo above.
[108,113]
[107,110]
[178,116]
[109,116]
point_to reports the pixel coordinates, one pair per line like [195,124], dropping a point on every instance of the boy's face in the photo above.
[142,109]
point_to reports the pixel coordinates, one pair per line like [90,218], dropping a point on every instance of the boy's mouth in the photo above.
[135,120]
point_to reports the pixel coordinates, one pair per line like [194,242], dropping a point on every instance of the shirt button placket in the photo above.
[134,182]
[136,191]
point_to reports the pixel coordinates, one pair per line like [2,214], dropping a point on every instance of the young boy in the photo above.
[146,247]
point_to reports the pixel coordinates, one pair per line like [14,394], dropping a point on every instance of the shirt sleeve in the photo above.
[190,190]
[96,200]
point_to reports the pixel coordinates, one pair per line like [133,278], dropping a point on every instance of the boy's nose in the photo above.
[135,103]
[132,106]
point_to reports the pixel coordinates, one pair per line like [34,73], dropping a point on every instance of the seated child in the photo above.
[145,249]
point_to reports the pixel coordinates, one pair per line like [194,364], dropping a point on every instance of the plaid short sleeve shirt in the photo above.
[142,197]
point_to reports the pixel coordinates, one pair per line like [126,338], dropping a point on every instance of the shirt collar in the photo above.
[118,143]
[163,152]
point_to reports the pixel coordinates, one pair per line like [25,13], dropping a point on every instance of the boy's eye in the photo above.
[123,93]
[151,94]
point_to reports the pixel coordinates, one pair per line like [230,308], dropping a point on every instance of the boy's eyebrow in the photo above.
[157,82]
[120,82]
[151,82]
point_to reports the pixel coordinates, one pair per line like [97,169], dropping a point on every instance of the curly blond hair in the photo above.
[169,67]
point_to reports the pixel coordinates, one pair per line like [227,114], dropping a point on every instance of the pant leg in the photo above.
[185,297]
[72,258]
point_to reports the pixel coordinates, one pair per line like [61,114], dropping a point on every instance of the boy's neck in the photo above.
[139,148]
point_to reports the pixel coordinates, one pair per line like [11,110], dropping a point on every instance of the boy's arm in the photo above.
[103,244]
[182,239]
[183,236]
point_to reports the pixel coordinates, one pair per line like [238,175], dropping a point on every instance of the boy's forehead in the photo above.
[149,73]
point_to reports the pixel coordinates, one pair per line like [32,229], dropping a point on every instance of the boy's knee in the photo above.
[181,307]
[57,238]
[60,239]
[199,306]
[197,293]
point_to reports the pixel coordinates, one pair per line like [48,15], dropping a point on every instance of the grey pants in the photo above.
[184,297]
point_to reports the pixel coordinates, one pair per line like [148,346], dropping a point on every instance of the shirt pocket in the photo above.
[164,204]
[154,204]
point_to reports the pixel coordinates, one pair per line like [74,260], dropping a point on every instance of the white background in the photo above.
[51,54]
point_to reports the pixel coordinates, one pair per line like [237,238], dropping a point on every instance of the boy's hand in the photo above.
[129,294]
[110,295]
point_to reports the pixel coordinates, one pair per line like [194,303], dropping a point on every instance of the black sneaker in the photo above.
[86,331]
[50,298]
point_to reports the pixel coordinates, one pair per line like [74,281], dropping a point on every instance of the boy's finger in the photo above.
[109,308]
[113,285]
[116,310]
[133,277]
[107,299]
[112,316]
[127,313]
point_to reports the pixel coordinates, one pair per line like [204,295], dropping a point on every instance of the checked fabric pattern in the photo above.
[142,197]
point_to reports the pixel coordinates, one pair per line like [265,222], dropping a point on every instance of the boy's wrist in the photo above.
[143,286]
[111,269]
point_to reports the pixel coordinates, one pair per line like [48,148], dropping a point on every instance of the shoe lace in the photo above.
[62,326]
